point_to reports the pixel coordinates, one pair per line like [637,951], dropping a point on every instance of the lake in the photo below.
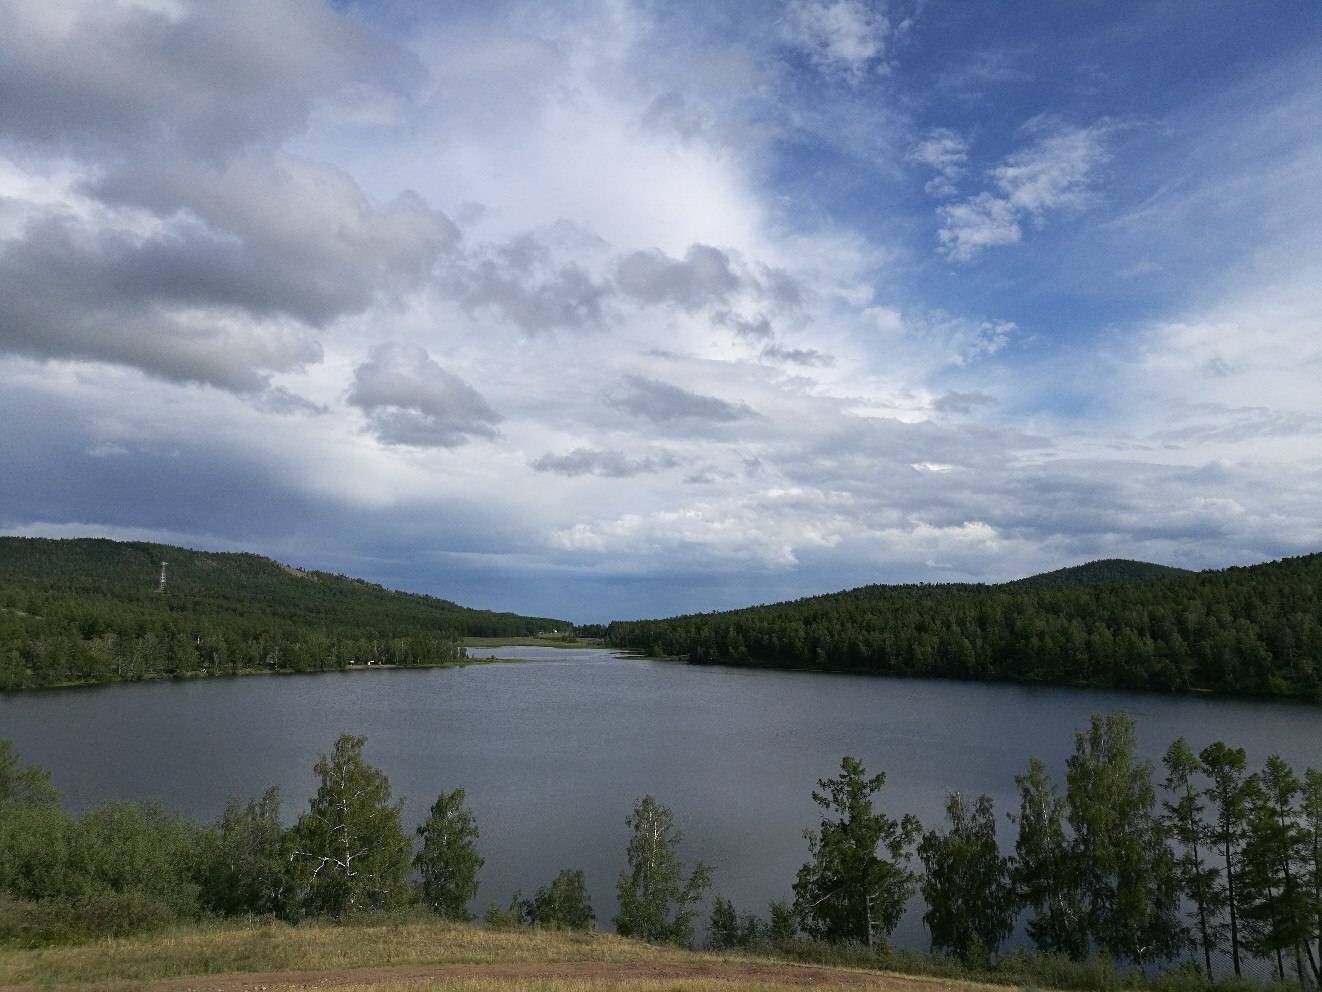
[553,754]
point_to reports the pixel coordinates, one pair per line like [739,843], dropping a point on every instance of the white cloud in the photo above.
[944,151]
[844,37]
[1056,173]
[410,400]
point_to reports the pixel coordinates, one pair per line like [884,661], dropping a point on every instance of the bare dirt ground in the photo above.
[802,976]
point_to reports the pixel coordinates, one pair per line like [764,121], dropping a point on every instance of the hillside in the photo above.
[1246,630]
[1103,570]
[90,610]
[410,953]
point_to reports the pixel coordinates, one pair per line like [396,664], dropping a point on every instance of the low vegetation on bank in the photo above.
[1109,881]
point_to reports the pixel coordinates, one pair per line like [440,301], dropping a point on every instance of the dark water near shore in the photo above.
[553,754]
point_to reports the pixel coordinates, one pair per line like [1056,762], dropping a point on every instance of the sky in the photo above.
[605,309]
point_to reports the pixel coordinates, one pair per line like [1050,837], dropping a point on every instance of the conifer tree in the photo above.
[857,880]
[1187,825]
[1228,793]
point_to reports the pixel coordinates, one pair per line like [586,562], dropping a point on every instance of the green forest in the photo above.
[1207,867]
[1256,629]
[90,610]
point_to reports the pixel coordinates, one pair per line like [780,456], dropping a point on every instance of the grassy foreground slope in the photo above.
[413,954]
[90,610]
[1114,624]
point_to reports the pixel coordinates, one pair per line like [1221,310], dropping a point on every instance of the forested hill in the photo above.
[1254,630]
[1104,570]
[90,610]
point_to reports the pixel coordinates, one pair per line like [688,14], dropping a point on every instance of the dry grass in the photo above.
[405,953]
[278,947]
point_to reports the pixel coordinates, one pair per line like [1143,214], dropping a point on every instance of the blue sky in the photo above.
[609,309]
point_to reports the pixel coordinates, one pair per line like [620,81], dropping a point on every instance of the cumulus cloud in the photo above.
[150,302]
[703,277]
[608,463]
[842,37]
[660,402]
[536,280]
[945,152]
[1057,172]
[410,400]
[212,76]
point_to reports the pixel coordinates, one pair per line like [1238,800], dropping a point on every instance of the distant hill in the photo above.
[1103,570]
[90,610]
[1111,623]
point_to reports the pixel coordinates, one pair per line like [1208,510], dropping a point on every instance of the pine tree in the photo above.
[1187,825]
[657,903]
[349,850]
[857,880]
[1228,794]
[1275,901]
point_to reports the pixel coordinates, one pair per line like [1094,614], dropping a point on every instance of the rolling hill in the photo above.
[91,610]
[1112,623]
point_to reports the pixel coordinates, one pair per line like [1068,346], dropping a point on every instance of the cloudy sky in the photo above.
[611,308]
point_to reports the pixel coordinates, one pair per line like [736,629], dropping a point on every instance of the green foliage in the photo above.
[24,785]
[971,904]
[1186,824]
[848,891]
[448,862]
[251,873]
[562,905]
[349,851]
[90,611]
[1240,630]
[728,928]
[657,903]
[1127,875]
[1276,910]
[1046,872]
[1228,793]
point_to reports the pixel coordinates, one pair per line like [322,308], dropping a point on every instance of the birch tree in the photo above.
[349,851]
[657,902]
[448,861]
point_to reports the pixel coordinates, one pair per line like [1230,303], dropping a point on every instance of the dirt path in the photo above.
[781,974]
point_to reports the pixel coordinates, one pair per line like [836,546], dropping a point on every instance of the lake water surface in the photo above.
[554,754]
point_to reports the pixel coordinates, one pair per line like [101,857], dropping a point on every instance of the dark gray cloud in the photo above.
[798,356]
[961,402]
[410,400]
[659,401]
[212,76]
[532,280]
[702,278]
[105,296]
[608,463]
[749,328]
[675,114]
[277,235]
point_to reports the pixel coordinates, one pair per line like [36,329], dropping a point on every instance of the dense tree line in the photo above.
[92,611]
[1254,630]
[1225,865]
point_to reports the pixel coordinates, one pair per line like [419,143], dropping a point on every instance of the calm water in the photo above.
[554,754]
